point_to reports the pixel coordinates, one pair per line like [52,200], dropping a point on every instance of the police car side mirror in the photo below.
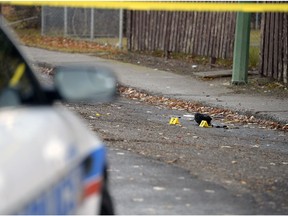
[85,84]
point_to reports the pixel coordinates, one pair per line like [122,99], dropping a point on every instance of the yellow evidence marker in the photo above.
[204,124]
[174,121]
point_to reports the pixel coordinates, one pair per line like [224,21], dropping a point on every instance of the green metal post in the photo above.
[241,49]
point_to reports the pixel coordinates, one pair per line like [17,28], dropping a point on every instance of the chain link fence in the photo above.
[98,25]
[102,26]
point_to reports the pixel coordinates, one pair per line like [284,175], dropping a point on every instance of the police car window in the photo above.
[15,87]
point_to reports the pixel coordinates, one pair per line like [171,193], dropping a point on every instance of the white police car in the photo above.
[49,162]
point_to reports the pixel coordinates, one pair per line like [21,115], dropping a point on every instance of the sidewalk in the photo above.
[172,85]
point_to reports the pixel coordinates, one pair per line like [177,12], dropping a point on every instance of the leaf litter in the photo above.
[228,116]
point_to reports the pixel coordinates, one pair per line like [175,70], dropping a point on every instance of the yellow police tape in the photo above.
[160,5]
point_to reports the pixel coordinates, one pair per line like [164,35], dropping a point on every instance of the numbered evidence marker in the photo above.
[174,121]
[204,124]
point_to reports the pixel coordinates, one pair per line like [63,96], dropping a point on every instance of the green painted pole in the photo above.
[241,49]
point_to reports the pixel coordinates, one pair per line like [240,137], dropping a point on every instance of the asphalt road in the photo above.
[157,168]
[142,185]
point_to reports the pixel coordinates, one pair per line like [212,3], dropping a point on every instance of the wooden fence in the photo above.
[274,46]
[198,33]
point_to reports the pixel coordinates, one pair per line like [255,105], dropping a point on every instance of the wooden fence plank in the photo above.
[198,33]
[187,17]
[183,31]
[168,31]
[262,43]
[207,34]
[186,37]
[276,44]
[179,33]
[232,35]
[153,30]
[280,50]
[136,20]
[194,31]
[219,34]
[128,29]
[188,32]
[156,32]
[202,35]
[271,44]
[139,20]
[218,38]
[211,34]
[214,35]
[140,29]
[178,29]
[195,20]
[225,35]
[149,22]
[163,37]
[144,33]
[214,38]
[266,45]
[146,30]
[171,23]
[285,46]
[130,39]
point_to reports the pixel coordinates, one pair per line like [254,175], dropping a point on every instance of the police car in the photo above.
[49,162]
